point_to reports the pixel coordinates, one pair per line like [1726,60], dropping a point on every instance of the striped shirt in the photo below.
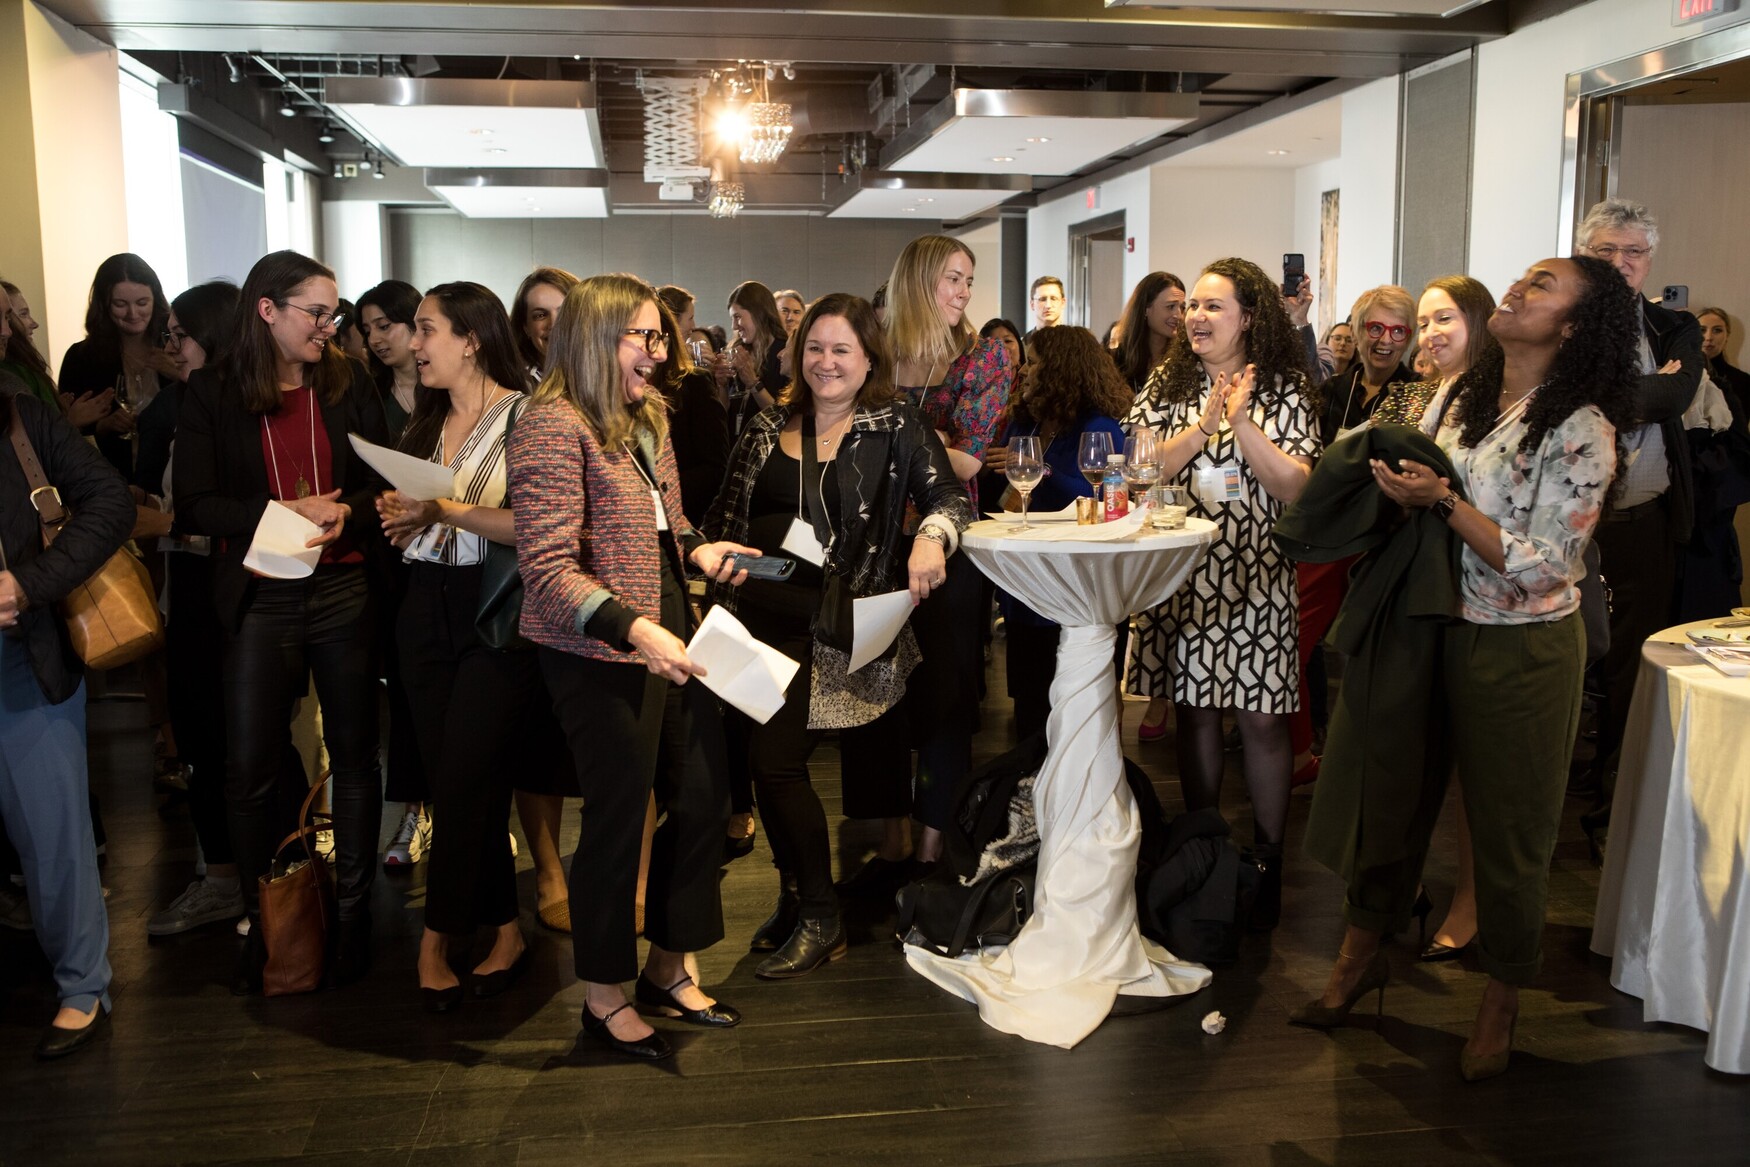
[480,481]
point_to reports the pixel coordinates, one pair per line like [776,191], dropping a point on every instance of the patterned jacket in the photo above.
[586,527]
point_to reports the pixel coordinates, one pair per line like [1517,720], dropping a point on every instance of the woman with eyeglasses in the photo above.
[603,542]
[541,795]
[268,424]
[1384,320]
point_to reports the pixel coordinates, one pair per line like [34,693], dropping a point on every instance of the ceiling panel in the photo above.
[463,122]
[1031,131]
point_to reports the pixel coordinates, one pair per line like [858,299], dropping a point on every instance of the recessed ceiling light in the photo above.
[1002,158]
[496,150]
[1039,139]
[911,210]
[1276,153]
[481,133]
[926,200]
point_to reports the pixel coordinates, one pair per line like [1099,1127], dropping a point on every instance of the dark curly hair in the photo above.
[1598,364]
[1070,376]
[1272,345]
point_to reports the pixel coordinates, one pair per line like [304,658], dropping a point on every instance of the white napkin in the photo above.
[748,674]
[277,551]
[1066,515]
[413,477]
[1111,532]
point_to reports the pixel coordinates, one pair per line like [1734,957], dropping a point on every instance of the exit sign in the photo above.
[1693,11]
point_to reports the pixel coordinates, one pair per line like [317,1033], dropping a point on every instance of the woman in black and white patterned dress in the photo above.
[1230,402]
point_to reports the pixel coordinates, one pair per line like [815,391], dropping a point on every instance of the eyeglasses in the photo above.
[1377,329]
[652,337]
[1609,251]
[322,317]
[172,338]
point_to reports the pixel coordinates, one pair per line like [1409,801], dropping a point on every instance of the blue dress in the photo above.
[1061,486]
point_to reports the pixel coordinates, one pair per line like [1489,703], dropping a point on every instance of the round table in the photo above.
[1062,973]
[1674,903]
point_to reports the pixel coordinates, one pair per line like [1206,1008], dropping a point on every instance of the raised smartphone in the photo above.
[1293,272]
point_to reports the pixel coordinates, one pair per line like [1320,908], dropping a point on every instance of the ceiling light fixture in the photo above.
[768,132]
[1276,153]
[1039,139]
[1002,158]
[727,199]
[327,134]
[287,109]
[237,74]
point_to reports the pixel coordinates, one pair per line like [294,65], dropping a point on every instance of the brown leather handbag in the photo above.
[297,907]
[112,618]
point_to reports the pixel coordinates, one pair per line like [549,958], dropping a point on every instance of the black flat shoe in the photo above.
[441,1000]
[352,951]
[734,848]
[58,1043]
[649,1049]
[251,960]
[662,1003]
[778,926]
[499,979]
[814,943]
[1437,951]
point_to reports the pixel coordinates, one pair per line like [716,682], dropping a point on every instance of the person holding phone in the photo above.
[603,541]
[823,477]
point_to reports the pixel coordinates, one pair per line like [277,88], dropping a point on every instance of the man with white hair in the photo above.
[1654,507]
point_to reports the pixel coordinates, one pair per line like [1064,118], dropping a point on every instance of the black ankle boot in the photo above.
[814,943]
[1267,906]
[782,922]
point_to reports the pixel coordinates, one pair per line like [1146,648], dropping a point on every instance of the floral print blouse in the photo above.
[1546,501]
[969,402]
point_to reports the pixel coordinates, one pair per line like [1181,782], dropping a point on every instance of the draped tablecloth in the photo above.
[1674,904]
[1062,973]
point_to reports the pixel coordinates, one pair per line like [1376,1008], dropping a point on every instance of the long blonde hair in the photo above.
[914,322]
[583,359]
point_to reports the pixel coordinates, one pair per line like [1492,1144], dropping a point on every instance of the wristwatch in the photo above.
[1443,508]
[935,535]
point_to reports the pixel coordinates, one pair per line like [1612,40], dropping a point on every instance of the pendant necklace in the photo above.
[302,486]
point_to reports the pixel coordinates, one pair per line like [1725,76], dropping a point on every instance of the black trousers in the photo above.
[194,661]
[631,732]
[404,776]
[481,716]
[1639,563]
[294,630]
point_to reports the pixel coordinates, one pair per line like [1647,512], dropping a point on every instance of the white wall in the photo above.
[1516,211]
[1367,174]
[1049,223]
[151,159]
[986,244]
[1201,215]
[353,244]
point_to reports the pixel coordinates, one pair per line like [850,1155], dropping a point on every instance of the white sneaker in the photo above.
[412,840]
[200,903]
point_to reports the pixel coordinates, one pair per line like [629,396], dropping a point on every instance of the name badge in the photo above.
[800,541]
[661,511]
[1219,485]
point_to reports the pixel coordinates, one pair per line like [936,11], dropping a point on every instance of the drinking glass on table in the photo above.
[1026,469]
[1091,454]
[1170,509]
[1141,465]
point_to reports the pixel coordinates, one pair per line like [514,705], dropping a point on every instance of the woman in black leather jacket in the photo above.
[824,477]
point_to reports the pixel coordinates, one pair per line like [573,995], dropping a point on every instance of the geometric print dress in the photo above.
[1229,637]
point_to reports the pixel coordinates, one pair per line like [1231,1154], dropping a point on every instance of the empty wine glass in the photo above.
[1026,469]
[1091,454]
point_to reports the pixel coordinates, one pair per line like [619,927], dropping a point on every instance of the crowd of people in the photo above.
[624,465]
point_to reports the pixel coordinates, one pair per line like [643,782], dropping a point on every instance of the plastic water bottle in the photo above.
[1117,493]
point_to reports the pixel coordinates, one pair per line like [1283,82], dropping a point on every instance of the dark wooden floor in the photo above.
[862,1062]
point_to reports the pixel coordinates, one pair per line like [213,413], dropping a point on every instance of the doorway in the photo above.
[1096,272]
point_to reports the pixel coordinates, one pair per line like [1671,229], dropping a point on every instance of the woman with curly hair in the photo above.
[1532,438]
[1230,402]
[1071,387]
[1151,318]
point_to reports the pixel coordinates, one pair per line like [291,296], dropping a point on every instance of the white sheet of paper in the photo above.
[1066,515]
[748,674]
[278,550]
[413,477]
[1125,528]
[801,541]
[875,624]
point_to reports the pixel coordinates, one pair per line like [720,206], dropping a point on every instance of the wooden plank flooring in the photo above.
[863,1062]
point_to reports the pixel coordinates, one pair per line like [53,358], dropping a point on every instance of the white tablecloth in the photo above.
[1059,978]
[1674,904]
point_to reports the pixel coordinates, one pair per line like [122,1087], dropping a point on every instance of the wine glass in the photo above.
[1141,463]
[124,401]
[1026,469]
[1091,454]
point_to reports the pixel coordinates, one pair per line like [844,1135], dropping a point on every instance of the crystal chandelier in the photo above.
[727,199]
[768,131]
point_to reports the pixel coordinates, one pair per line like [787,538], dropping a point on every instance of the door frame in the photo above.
[1076,294]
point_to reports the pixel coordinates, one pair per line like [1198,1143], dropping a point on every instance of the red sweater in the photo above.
[586,528]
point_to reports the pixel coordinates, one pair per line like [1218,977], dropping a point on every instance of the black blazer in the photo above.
[220,478]
[698,425]
[1662,398]
[103,515]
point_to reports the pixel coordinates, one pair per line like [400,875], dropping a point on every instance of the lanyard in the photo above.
[302,489]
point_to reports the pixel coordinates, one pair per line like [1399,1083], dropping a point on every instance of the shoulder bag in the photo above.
[297,905]
[501,584]
[112,618]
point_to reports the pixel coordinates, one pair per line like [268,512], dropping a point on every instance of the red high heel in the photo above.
[1307,774]
[1147,731]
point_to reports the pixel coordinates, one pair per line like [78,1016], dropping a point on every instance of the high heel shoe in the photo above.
[1147,731]
[491,984]
[440,1000]
[1307,774]
[650,1049]
[1316,1015]
[662,1002]
[1437,952]
[1474,1067]
[1420,910]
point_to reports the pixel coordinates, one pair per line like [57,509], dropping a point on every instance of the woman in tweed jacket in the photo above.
[831,468]
[602,543]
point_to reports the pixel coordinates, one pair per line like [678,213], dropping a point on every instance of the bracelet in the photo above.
[1205,432]
[1442,508]
[935,535]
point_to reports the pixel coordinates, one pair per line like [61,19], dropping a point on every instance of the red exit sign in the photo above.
[1692,11]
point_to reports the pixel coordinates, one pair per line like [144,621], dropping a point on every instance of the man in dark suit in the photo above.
[1654,506]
